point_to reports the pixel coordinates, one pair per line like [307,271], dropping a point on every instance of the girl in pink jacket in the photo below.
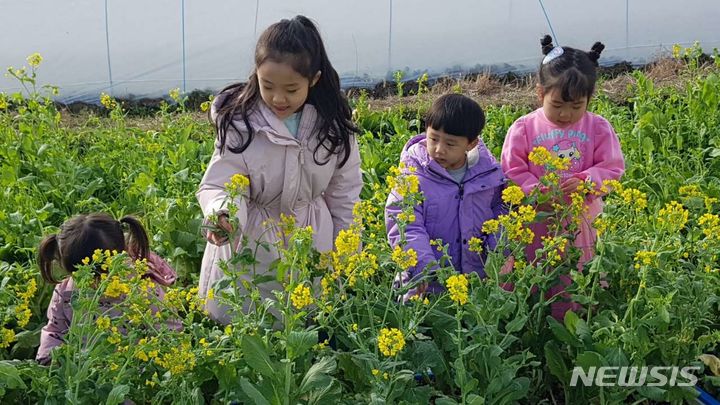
[567,130]
[289,131]
[78,238]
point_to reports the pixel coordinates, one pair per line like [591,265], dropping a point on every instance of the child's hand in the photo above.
[570,185]
[219,236]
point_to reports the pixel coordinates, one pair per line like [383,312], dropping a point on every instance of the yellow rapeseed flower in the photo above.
[540,156]
[457,286]
[301,296]
[691,190]
[644,258]
[238,184]
[710,224]
[611,185]
[34,60]
[635,198]
[103,323]
[404,259]
[491,226]
[391,341]
[673,216]
[475,245]
[107,101]
[116,288]
[7,336]
[513,195]
[175,95]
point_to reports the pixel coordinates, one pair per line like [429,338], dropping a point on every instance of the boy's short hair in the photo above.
[456,115]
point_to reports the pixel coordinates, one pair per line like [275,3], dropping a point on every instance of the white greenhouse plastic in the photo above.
[145,48]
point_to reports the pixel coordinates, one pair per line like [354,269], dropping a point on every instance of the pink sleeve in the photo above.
[514,158]
[343,191]
[52,334]
[160,271]
[608,162]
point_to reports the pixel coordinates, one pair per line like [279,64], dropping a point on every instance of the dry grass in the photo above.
[486,89]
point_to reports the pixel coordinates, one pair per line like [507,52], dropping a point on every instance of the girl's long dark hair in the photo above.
[81,235]
[573,73]
[298,43]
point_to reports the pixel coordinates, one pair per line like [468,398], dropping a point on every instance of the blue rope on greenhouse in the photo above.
[552,31]
[107,44]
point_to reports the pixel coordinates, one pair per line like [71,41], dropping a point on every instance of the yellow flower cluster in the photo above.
[404,258]
[491,226]
[635,198]
[611,185]
[475,245]
[709,201]
[7,336]
[107,101]
[391,341]
[175,94]
[601,225]
[644,258]
[238,183]
[301,296]
[555,247]
[402,181]
[22,310]
[710,224]
[407,218]
[34,60]
[116,288]
[673,215]
[347,242]
[457,286]
[178,359]
[542,157]
[514,224]
[365,264]
[513,195]
[103,323]
[691,190]
[115,337]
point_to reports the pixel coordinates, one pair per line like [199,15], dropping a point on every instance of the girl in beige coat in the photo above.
[289,131]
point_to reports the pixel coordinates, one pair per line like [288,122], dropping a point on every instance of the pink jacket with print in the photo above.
[59,312]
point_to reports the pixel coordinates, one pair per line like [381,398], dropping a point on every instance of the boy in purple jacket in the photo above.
[462,185]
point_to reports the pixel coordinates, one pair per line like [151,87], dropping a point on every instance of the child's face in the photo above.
[282,88]
[446,149]
[560,112]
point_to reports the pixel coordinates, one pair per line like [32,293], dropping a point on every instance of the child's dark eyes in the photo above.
[292,91]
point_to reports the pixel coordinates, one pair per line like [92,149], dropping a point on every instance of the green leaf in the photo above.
[445,401]
[590,359]
[474,399]
[117,395]
[654,393]
[516,324]
[563,334]
[571,320]
[10,377]
[419,395]
[256,356]
[252,392]
[648,146]
[299,342]
[555,362]
[427,356]
[317,375]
